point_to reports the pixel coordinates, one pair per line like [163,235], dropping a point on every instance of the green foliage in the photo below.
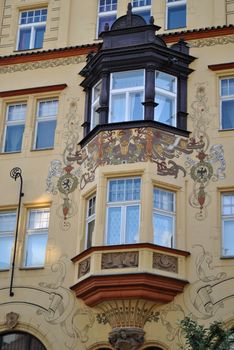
[197,337]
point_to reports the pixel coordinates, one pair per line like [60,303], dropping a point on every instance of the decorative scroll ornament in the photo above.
[209,164]
[12,319]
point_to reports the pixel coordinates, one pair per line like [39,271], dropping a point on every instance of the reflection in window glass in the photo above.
[176,14]
[228,224]
[7,231]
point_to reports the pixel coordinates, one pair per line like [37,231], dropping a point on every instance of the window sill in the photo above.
[28,50]
[178,28]
[42,149]
[31,268]
[14,152]
[4,270]
[220,130]
[227,257]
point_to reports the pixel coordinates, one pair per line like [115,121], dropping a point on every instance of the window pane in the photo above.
[163,200]
[224,87]
[38,219]
[45,134]
[36,250]
[14,136]
[165,81]
[135,106]
[7,222]
[90,233]
[6,245]
[24,39]
[117,113]
[145,14]
[97,91]
[227,114]
[105,19]
[228,238]
[165,110]
[122,80]
[114,225]
[132,224]
[16,112]
[39,37]
[48,108]
[163,230]
[176,17]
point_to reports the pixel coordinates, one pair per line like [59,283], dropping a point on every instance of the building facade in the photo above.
[117,189]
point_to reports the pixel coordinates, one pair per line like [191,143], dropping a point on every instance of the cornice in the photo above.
[33,90]
[221,66]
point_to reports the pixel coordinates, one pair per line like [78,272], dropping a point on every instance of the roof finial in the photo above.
[129,15]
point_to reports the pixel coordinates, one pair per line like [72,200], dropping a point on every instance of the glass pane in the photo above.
[91,206]
[145,14]
[165,81]
[20,341]
[228,238]
[231,86]
[39,37]
[45,134]
[138,3]
[38,219]
[117,112]
[90,230]
[224,87]
[120,190]
[7,222]
[132,224]
[95,117]
[227,205]
[14,137]
[137,189]
[176,17]
[105,19]
[36,250]
[48,108]
[24,39]
[97,91]
[6,246]
[227,114]
[163,200]
[16,112]
[135,106]
[165,110]
[113,191]
[114,225]
[130,79]
[163,230]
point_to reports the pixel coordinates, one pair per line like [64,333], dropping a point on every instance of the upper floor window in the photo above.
[164,217]
[7,231]
[176,14]
[31,31]
[90,221]
[142,8]
[14,127]
[228,224]
[227,103]
[107,13]
[165,97]
[123,211]
[126,96]
[47,111]
[96,92]
[36,237]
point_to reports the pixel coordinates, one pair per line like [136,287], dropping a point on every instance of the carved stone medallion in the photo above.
[12,319]
[165,262]
[126,338]
[84,267]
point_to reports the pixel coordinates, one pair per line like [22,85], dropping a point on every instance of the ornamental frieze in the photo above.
[119,260]
[165,262]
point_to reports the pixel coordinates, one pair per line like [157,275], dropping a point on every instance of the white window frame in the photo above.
[34,232]
[169,94]
[175,3]
[123,205]
[91,203]
[43,119]
[137,9]
[33,26]
[95,105]
[167,213]
[104,14]
[226,218]
[127,92]
[8,233]
[224,98]
[13,122]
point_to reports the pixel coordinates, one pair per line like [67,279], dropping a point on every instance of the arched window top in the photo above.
[20,341]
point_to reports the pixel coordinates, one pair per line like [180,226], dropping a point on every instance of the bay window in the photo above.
[164,217]
[31,31]
[228,225]
[14,127]
[36,237]
[123,211]
[165,97]
[227,103]
[7,235]
[126,96]
[90,221]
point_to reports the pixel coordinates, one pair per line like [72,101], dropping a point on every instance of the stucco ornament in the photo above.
[208,163]
[126,338]
[12,319]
